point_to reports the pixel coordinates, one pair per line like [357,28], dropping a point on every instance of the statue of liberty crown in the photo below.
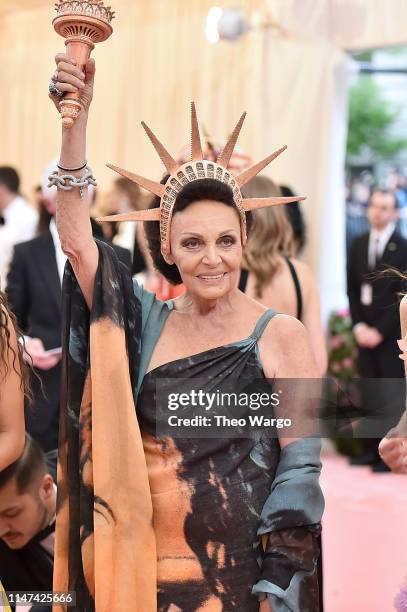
[196,169]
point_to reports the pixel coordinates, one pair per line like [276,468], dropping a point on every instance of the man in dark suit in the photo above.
[34,293]
[374,303]
[28,496]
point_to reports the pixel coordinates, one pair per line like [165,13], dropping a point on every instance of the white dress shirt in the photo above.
[59,254]
[20,225]
[377,243]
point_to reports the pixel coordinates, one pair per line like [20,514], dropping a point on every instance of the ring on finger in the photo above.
[54,91]
[54,77]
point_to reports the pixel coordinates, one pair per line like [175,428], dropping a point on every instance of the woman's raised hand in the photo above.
[70,78]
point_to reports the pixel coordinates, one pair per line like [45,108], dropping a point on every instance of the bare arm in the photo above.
[291,516]
[312,316]
[292,365]
[73,220]
[12,428]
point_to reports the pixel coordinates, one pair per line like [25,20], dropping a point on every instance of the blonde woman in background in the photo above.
[272,277]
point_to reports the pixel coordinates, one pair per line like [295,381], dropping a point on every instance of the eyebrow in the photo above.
[200,235]
[9,509]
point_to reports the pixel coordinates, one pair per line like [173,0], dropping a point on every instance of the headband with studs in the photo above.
[197,168]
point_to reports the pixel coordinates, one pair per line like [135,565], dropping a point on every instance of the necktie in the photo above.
[376,252]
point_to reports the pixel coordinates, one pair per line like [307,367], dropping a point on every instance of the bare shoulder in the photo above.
[284,328]
[283,333]
[302,268]
[305,274]
[286,349]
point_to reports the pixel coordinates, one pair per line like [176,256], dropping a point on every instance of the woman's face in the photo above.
[206,247]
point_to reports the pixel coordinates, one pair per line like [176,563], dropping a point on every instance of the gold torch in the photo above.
[82,23]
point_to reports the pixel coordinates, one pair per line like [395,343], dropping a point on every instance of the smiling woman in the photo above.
[209,523]
[204,191]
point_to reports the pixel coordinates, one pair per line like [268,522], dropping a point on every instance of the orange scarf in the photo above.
[105,544]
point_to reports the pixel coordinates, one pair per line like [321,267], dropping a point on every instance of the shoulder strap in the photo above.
[244,275]
[297,287]
[262,323]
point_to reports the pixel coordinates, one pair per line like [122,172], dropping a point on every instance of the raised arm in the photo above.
[73,220]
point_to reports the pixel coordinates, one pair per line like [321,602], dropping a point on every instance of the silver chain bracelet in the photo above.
[67,182]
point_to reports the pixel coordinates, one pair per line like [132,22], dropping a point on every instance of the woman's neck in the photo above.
[195,305]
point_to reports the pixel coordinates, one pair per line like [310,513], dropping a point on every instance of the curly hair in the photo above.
[19,365]
[201,189]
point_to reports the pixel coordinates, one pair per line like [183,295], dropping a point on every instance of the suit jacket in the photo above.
[383,312]
[30,568]
[34,293]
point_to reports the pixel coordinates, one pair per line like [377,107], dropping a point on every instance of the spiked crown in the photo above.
[197,168]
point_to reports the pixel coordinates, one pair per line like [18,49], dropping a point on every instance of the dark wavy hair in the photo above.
[201,189]
[19,365]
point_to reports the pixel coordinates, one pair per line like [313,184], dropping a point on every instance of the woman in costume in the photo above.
[170,522]
[271,275]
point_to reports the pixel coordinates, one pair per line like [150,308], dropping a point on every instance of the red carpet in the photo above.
[364,537]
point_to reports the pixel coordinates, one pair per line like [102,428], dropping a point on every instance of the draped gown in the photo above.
[211,499]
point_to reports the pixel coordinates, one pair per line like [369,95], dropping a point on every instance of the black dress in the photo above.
[209,493]
[235,519]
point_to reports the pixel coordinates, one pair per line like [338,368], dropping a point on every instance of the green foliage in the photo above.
[342,346]
[363,56]
[342,370]
[371,118]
